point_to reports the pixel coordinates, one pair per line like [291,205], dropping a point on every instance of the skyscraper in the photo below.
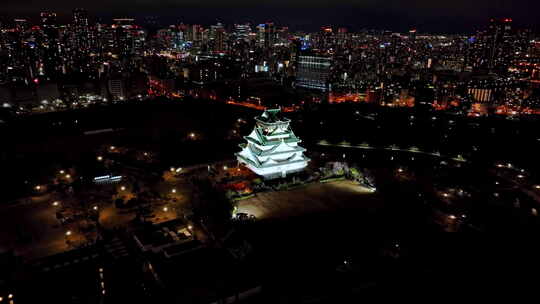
[269,34]
[313,72]
[242,31]
[48,19]
[261,29]
[21,25]
[129,39]
[80,29]
[500,36]
[217,37]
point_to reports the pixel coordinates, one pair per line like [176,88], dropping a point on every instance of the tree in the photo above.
[355,174]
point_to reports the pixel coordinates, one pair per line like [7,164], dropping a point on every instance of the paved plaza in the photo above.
[312,198]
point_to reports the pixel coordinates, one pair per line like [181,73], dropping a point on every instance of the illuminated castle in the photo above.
[272,149]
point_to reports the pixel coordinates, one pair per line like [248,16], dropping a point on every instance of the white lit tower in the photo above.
[272,149]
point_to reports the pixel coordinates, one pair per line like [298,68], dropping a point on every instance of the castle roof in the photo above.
[271,116]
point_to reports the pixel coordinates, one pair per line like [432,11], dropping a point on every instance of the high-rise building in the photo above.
[261,36]
[242,31]
[81,29]
[500,42]
[194,34]
[269,35]
[282,35]
[48,20]
[21,25]
[217,37]
[313,72]
[266,35]
[412,34]
[129,38]
[272,149]
[117,89]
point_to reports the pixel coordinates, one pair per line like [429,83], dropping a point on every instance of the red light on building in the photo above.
[36,80]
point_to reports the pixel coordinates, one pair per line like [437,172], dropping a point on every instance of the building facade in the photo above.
[314,72]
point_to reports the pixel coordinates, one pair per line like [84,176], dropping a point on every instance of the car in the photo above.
[242,216]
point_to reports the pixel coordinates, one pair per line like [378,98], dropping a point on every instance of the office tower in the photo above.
[500,42]
[269,35]
[21,25]
[129,39]
[217,37]
[313,72]
[242,31]
[260,40]
[282,35]
[48,20]
[412,35]
[80,29]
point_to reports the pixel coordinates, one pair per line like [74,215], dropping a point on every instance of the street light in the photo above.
[68,233]
[123,188]
[112,147]
[62,171]
[165,209]
[56,203]
[38,187]
[100,158]
[68,176]
[95,208]
[173,190]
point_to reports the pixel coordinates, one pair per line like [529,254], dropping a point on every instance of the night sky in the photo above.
[427,15]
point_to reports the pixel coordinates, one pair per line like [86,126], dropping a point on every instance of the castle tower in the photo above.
[272,149]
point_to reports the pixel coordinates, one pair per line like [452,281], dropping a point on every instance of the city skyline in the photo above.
[455,17]
[256,152]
